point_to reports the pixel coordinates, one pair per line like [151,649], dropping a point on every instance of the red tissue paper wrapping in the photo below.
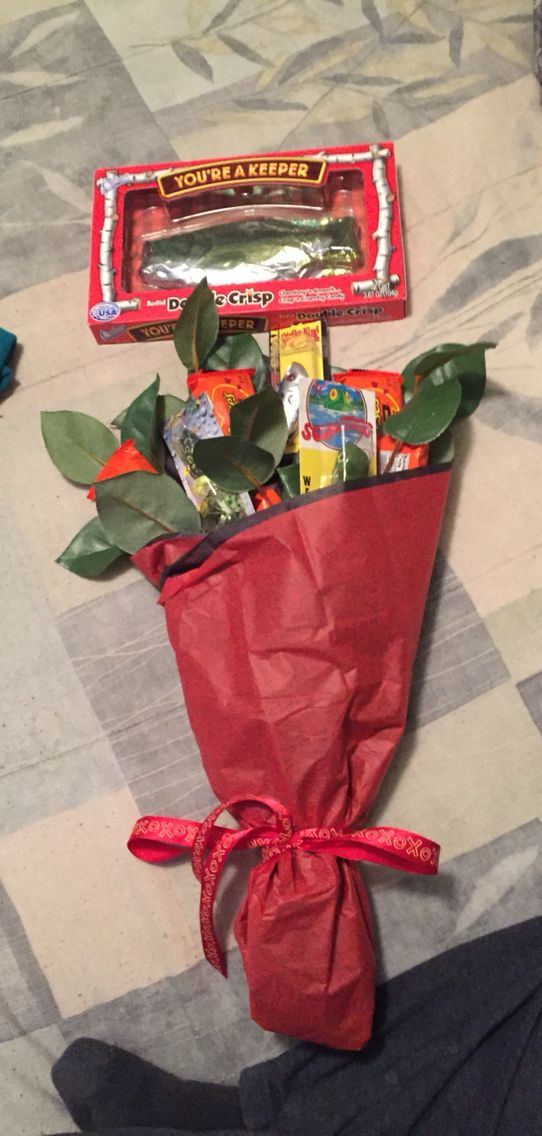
[295,632]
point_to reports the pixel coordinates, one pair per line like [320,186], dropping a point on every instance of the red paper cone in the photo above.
[295,632]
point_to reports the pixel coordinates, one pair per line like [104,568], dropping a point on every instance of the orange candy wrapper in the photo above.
[405,457]
[224,389]
[388,388]
[265,497]
[125,459]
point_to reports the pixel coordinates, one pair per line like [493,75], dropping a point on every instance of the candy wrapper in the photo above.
[386,385]
[280,238]
[181,433]
[388,390]
[224,389]
[298,351]
[395,459]
[253,247]
[297,708]
[331,417]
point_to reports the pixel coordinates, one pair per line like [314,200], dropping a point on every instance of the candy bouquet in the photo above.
[289,513]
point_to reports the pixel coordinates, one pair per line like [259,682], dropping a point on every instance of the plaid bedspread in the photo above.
[93,728]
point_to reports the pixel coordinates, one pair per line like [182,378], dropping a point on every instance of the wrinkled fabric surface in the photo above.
[96,733]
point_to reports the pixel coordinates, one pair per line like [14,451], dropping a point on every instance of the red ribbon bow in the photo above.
[156,839]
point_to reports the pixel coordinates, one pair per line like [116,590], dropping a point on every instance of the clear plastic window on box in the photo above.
[244,234]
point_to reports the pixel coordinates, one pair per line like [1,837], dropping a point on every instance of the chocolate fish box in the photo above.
[280,238]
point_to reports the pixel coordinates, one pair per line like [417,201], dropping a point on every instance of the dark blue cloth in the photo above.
[7,343]
[456,1051]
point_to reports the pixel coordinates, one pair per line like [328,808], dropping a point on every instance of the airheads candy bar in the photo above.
[224,389]
[297,352]
[388,388]
[330,415]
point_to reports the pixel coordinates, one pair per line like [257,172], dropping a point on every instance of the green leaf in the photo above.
[430,411]
[136,507]
[117,422]
[78,444]
[464,362]
[351,463]
[261,419]
[289,475]
[197,327]
[167,406]
[423,364]
[233,463]
[470,371]
[139,422]
[90,552]
[442,449]
[237,352]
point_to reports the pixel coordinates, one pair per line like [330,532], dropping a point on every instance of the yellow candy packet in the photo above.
[331,415]
[297,352]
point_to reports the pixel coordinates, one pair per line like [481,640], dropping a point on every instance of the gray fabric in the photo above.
[455,1047]
[93,726]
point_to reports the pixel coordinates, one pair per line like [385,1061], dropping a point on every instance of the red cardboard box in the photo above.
[332,217]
